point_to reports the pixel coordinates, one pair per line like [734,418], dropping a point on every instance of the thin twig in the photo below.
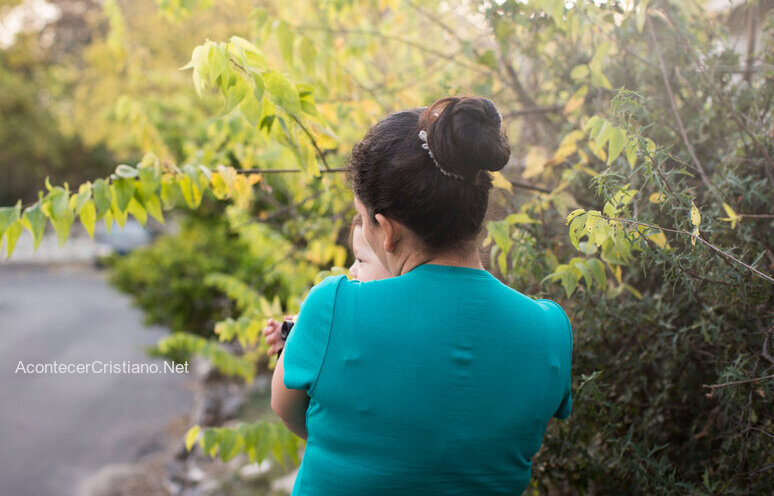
[540,109]
[699,238]
[311,138]
[285,171]
[734,383]
[673,104]
[722,98]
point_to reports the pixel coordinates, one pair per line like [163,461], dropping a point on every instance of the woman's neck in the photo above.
[468,258]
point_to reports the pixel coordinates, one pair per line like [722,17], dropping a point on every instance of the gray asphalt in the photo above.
[57,429]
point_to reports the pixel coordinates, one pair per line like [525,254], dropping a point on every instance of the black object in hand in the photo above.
[287,326]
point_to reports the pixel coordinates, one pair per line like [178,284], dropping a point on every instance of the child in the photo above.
[366,267]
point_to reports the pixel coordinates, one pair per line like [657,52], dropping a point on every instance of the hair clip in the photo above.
[426,146]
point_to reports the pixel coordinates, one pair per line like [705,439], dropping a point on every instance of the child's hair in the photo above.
[356,222]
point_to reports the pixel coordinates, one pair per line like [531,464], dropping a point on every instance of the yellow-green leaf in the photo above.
[520,218]
[499,181]
[308,54]
[9,215]
[101,194]
[733,217]
[153,206]
[122,190]
[579,72]
[285,38]
[88,216]
[12,234]
[695,215]
[191,436]
[35,221]
[282,92]
[656,198]
[616,145]
[137,211]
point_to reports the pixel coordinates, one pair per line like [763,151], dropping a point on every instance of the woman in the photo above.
[440,379]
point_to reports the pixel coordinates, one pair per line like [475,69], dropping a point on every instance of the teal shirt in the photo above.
[438,382]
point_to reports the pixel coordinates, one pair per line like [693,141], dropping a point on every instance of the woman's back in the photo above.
[439,381]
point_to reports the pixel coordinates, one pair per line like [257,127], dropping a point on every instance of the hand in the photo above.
[272,331]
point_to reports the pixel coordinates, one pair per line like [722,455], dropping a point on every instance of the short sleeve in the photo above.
[566,405]
[308,340]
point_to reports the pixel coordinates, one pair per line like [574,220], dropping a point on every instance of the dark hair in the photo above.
[394,176]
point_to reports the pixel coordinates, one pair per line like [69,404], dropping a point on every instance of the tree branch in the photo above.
[699,238]
[673,104]
[734,383]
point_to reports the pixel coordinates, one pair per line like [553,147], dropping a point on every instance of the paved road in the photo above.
[57,429]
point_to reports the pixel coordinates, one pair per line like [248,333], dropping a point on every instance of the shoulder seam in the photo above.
[328,338]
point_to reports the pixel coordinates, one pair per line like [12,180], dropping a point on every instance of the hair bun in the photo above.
[465,135]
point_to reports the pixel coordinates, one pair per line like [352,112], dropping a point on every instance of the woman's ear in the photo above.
[391,230]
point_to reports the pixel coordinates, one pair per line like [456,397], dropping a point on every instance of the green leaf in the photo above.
[12,234]
[123,190]
[150,179]
[282,92]
[248,54]
[153,206]
[308,54]
[592,125]
[580,264]
[119,214]
[574,214]
[35,221]
[235,94]
[217,65]
[285,38]
[578,228]
[488,59]
[597,269]
[569,281]
[631,152]
[520,218]
[88,216]
[251,109]
[9,215]
[137,211]
[78,201]
[62,227]
[502,262]
[501,235]
[102,197]
[57,203]
[616,146]
[579,72]
[209,441]
[227,439]
[190,186]
[603,134]
[108,220]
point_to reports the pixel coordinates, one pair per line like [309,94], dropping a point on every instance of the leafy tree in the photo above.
[639,196]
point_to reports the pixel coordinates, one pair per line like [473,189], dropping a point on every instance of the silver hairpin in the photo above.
[426,146]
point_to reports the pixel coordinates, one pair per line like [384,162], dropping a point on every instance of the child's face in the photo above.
[366,267]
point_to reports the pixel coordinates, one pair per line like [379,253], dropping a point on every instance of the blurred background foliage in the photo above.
[638,195]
